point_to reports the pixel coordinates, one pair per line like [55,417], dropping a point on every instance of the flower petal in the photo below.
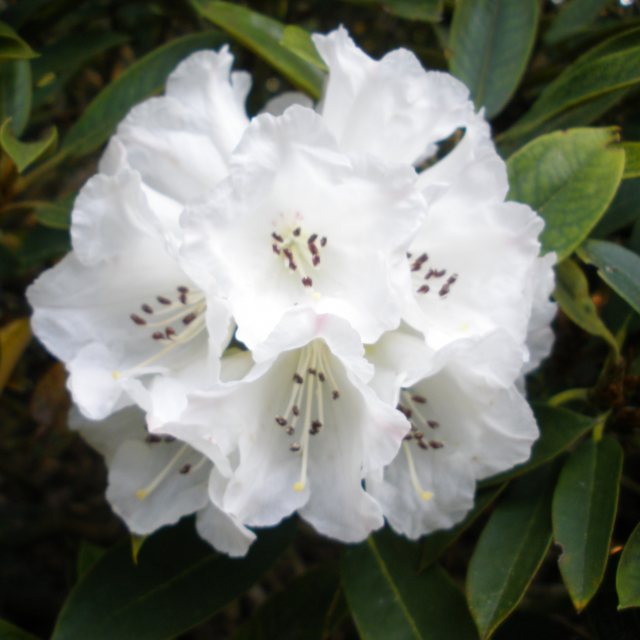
[391,108]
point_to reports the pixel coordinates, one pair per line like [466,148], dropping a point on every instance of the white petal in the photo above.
[288,174]
[204,84]
[279,104]
[224,532]
[390,108]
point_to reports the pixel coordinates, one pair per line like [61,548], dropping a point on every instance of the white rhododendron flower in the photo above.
[155,480]
[327,312]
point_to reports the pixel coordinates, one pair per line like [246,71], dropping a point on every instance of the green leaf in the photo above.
[296,613]
[572,294]
[491,42]
[88,555]
[422,10]
[56,215]
[25,153]
[15,93]
[9,631]
[617,266]
[388,598]
[569,178]
[573,18]
[510,550]
[559,430]
[299,41]
[263,36]
[12,46]
[179,582]
[628,574]
[143,78]
[604,69]
[624,209]
[632,159]
[583,513]
[435,544]
[60,61]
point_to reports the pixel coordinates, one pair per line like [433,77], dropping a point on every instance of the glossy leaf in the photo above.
[510,550]
[605,69]
[388,598]
[421,10]
[572,294]
[88,555]
[584,508]
[559,429]
[624,209]
[263,36]
[178,583]
[435,544]
[15,93]
[617,266]
[573,17]
[632,159]
[143,78]
[491,42]
[12,46]
[56,215]
[14,339]
[299,41]
[24,154]
[9,631]
[569,178]
[628,574]
[296,613]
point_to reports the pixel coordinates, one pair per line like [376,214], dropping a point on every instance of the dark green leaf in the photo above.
[88,555]
[632,160]
[559,429]
[297,613]
[491,41]
[145,77]
[15,93]
[572,294]
[584,509]
[178,583]
[423,10]
[617,266]
[56,215]
[436,543]
[25,153]
[605,69]
[574,16]
[624,209]
[299,41]
[569,178]
[12,46]
[61,61]
[9,631]
[263,36]
[628,574]
[42,244]
[388,598]
[510,550]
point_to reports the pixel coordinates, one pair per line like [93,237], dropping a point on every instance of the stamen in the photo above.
[163,300]
[185,469]
[424,495]
[300,485]
[145,492]
[147,308]
[137,319]
[419,399]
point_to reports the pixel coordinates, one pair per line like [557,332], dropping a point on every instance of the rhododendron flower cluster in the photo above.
[314,310]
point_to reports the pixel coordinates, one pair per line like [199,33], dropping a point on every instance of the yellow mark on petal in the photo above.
[298,487]
[141,494]
[426,496]
[465,326]
[317,295]
[116,375]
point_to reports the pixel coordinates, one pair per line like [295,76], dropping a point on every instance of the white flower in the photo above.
[119,310]
[154,481]
[466,425]
[301,223]
[307,427]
